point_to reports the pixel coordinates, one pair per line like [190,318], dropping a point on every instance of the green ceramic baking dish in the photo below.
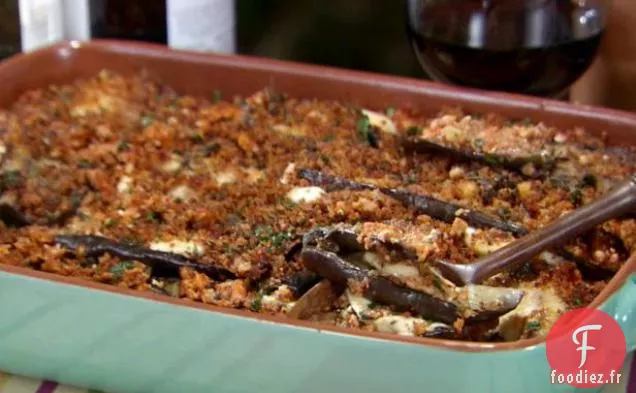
[98,336]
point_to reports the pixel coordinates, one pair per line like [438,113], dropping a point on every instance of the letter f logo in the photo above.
[584,347]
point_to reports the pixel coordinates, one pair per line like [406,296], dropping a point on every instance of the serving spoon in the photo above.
[619,201]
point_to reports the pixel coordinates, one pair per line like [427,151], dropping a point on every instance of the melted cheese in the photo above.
[380,121]
[305,194]
[182,247]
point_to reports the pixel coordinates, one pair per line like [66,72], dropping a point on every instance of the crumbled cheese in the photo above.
[253,175]
[359,304]
[185,248]
[173,165]
[401,270]
[403,326]
[124,185]
[456,172]
[305,194]
[225,177]
[560,138]
[287,173]
[182,193]
[380,121]
[432,236]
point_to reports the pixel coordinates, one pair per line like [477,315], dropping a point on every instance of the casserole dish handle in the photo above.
[625,311]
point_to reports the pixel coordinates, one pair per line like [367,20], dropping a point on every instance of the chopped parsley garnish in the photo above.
[363,126]
[390,111]
[576,196]
[533,326]
[211,149]
[217,96]
[10,179]
[119,269]
[85,164]
[413,131]
[479,143]
[154,216]
[257,303]
[110,223]
[123,146]
[146,120]
[588,180]
[196,139]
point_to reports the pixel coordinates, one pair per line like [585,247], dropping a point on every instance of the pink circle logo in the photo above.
[586,348]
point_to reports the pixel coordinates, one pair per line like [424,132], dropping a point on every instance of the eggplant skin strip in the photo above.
[543,165]
[95,246]
[12,217]
[379,289]
[423,204]
[443,211]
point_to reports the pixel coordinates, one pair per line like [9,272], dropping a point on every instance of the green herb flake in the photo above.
[154,216]
[119,269]
[122,147]
[576,196]
[504,213]
[263,233]
[279,238]
[85,164]
[560,182]
[410,178]
[363,126]
[257,303]
[526,121]
[479,143]
[325,159]
[146,121]
[217,96]
[329,138]
[11,179]
[492,159]
[438,284]
[390,111]
[196,139]
[577,301]
[533,326]
[589,180]
[132,241]
[413,131]
[287,204]
[211,149]
[110,223]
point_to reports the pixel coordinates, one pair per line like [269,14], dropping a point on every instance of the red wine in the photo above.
[537,71]
[140,20]
[537,47]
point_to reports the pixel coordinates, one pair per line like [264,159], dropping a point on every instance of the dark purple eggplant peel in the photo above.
[423,204]
[326,250]
[163,263]
[447,212]
[532,166]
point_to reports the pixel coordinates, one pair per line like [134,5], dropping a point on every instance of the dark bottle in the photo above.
[536,47]
[27,25]
[9,29]
[140,20]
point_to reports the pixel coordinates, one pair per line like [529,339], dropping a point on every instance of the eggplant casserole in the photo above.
[314,209]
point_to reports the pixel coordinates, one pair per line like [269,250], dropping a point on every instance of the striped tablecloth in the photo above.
[14,384]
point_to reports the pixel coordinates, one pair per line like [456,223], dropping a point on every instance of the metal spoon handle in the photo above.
[621,200]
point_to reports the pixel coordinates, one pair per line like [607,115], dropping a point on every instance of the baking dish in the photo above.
[111,339]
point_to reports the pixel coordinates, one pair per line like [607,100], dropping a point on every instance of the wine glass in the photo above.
[534,47]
